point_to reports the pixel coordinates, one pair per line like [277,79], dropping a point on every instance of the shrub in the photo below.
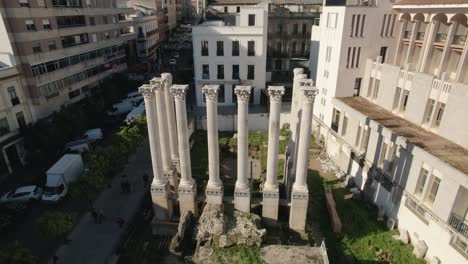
[17,253]
[54,224]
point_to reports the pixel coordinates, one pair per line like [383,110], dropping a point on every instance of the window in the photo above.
[235,48]
[433,190]
[440,113]
[383,152]
[375,93]
[278,65]
[280,28]
[278,48]
[251,20]
[345,125]
[335,120]
[365,139]
[293,47]
[405,101]
[328,54]
[30,26]
[304,29]
[391,159]
[358,136]
[46,24]
[24,3]
[4,127]
[251,48]
[250,72]
[94,38]
[423,174]
[220,72]
[92,22]
[383,53]
[37,48]
[357,86]
[206,72]
[219,48]
[52,45]
[204,48]
[353,57]
[238,9]
[225,9]
[235,72]
[105,20]
[13,97]
[303,48]
[396,100]
[331,20]
[295,29]
[21,120]
[74,94]
[428,111]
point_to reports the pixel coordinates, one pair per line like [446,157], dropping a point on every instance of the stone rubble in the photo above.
[420,249]
[403,236]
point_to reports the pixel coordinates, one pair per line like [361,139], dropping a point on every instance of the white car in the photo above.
[92,135]
[22,194]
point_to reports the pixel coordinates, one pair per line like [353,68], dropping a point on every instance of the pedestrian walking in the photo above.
[120,222]
[94,214]
[145,180]
[100,216]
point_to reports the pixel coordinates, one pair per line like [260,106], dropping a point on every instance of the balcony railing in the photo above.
[66,3]
[417,209]
[459,40]
[459,224]
[441,37]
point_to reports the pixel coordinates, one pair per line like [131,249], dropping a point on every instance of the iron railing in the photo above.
[459,224]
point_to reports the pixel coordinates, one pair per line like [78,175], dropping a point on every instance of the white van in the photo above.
[136,113]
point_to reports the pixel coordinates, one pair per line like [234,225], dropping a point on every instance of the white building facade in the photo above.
[404,139]
[231,52]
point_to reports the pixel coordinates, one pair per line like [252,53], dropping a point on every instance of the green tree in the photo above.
[54,224]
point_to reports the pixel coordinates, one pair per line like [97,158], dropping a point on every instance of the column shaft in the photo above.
[213,145]
[164,136]
[303,151]
[242,144]
[171,121]
[184,145]
[273,142]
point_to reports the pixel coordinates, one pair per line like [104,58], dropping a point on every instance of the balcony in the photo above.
[458,224]
[71,21]
[67,3]
[74,40]
[441,38]
[417,209]
[459,40]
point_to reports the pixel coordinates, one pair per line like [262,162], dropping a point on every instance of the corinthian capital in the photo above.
[158,83]
[179,92]
[147,91]
[243,93]
[276,93]
[306,82]
[309,93]
[167,79]
[211,92]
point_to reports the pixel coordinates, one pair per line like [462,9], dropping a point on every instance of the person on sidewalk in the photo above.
[145,180]
[94,214]
[120,222]
[100,216]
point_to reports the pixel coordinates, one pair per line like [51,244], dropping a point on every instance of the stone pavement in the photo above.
[95,243]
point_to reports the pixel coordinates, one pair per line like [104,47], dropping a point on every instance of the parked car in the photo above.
[120,108]
[60,175]
[136,113]
[77,147]
[22,194]
[92,135]
[133,97]
[172,61]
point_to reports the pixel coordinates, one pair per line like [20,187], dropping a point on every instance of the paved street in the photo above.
[95,243]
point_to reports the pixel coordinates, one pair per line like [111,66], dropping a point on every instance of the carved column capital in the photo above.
[158,83]
[243,93]
[147,91]
[309,93]
[276,93]
[211,92]
[179,92]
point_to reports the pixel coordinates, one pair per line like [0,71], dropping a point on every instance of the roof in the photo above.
[431,2]
[440,147]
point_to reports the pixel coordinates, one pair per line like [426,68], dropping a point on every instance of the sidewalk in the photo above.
[95,243]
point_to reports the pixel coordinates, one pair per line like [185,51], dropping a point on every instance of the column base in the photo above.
[173,178]
[214,195]
[298,213]
[270,206]
[188,199]
[162,201]
[242,199]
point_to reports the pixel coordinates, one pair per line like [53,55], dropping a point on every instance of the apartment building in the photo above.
[231,51]
[64,48]
[146,26]
[401,133]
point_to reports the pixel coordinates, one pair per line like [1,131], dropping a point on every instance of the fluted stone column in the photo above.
[187,188]
[160,188]
[300,193]
[270,188]
[214,189]
[242,189]
[171,120]
[169,169]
